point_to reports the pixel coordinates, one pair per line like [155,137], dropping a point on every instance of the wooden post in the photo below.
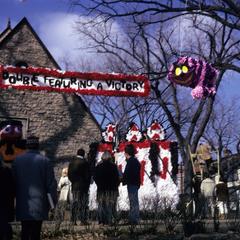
[191,158]
[218,164]
[181,178]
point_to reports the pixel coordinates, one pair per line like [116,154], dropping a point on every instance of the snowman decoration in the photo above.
[155,131]
[133,135]
[109,134]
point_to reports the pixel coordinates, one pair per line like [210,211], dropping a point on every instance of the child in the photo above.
[65,196]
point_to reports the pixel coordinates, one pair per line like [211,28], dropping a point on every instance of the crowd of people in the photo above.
[31,182]
[30,190]
[211,193]
[107,177]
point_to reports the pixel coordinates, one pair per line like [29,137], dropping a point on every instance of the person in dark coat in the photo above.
[131,178]
[106,177]
[35,186]
[80,176]
[7,187]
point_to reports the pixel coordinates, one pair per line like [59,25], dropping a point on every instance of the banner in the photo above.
[38,79]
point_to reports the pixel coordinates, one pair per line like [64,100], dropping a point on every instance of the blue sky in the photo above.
[16,9]
[53,20]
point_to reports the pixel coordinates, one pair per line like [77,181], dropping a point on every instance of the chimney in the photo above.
[9,24]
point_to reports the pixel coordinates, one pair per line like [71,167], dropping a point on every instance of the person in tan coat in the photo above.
[204,153]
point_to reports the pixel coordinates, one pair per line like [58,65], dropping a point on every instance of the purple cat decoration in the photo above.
[196,74]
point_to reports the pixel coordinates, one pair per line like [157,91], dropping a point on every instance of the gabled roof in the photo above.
[5,32]
[9,33]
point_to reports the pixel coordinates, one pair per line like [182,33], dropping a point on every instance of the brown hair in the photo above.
[130,150]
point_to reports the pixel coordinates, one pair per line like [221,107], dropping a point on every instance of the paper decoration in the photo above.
[109,133]
[163,185]
[196,74]
[158,159]
[11,142]
[155,131]
[83,83]
[133,133]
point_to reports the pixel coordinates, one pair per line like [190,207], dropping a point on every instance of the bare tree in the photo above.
[122,111]
[223,130]
[227,12]
[149,43]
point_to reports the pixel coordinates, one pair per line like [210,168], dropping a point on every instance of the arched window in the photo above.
[21,64]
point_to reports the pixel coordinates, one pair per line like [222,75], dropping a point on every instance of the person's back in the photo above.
[131,174]
[107,179]
[131,178]
[208,187]
[107,176]
[6,201]
[34,177]
[32,172]
[208,193]
[79,174]
[80,177]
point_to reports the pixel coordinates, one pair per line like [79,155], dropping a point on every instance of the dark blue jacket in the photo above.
[106,177]
[131,175]
[34,178]
[7,194]
[79,175]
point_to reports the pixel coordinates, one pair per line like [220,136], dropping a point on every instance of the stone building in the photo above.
[61,120]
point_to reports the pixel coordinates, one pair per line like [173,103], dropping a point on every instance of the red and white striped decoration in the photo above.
[163,185]
[88,83]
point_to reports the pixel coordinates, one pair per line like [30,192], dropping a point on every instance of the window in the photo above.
[21,64]
[24,123]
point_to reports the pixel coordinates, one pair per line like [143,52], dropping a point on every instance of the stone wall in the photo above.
[24,45]
[62,121]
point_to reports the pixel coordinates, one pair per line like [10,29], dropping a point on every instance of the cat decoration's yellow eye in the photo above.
[178,71]
[184,69]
